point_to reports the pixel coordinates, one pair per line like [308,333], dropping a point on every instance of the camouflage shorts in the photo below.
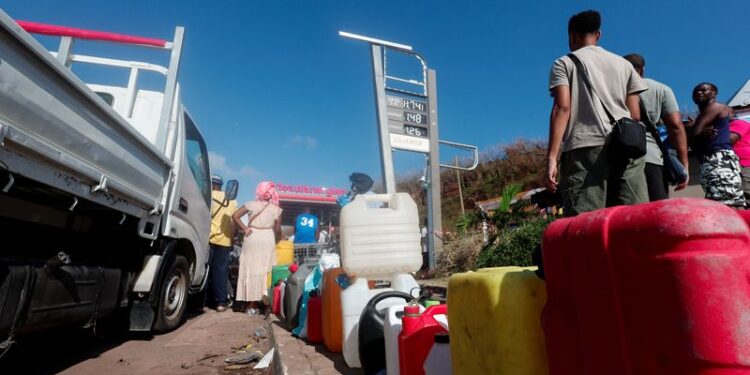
[721,179]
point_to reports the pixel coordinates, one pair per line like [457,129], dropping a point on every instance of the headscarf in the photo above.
[266,191]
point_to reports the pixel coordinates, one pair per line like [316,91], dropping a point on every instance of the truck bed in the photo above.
[50,119]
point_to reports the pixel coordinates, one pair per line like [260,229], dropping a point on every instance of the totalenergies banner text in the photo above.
[309,190]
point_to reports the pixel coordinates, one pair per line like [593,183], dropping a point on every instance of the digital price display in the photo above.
[408,123]
[408,104]
[418,118]
[416,131]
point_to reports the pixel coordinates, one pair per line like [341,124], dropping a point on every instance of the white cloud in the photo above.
[220,166]
[301,141]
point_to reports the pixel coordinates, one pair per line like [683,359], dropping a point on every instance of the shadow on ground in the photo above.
[55,350]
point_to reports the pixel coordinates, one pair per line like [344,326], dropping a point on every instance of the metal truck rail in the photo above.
[51,121]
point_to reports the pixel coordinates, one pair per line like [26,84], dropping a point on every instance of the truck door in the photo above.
[191,215]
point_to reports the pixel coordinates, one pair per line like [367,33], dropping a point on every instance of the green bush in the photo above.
[513,246]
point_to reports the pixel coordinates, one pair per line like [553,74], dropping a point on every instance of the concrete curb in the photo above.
[278,364]
[297,357]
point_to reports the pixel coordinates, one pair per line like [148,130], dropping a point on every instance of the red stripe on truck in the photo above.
[45,29]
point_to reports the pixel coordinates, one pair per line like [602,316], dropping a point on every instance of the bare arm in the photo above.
[277,230]
[557,123]
[707,116]
[679,140]
[233,226]
[633,102]
[237,219]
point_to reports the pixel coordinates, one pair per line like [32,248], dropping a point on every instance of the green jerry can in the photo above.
[277,273]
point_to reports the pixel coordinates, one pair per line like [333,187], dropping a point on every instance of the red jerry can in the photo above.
[745,214]
[315,318]
[276,305]
[417,336]
[659,288]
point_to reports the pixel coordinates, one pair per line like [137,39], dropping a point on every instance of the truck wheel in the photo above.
[173,296]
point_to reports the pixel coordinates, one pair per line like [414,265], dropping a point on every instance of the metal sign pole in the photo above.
[434,206]
[407,120]
[386,154]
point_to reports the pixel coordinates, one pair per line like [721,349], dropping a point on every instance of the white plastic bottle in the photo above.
[438,362]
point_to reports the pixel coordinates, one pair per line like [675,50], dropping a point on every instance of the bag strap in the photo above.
[250,222]
[652,129]
[584,74]
[220,206]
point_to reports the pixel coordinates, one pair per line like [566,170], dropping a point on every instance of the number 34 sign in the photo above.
[307,222]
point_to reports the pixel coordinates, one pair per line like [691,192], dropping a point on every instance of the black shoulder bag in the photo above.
[628,136]
[674,171]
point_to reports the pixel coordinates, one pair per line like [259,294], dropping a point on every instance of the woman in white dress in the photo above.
[259,246]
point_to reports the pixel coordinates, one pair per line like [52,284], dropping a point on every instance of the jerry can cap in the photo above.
[411,310]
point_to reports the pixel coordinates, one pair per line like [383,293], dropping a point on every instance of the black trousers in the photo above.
[219,263]
[658,188]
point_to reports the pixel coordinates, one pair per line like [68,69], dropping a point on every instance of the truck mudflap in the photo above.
[34,298]
[15,285]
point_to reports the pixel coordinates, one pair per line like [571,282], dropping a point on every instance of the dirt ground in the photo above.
[198,347]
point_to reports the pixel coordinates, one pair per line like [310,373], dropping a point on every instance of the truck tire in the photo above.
[173,296]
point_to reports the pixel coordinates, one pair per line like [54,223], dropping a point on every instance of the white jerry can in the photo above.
[380,235]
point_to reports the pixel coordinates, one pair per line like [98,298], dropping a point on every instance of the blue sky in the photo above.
[280,96]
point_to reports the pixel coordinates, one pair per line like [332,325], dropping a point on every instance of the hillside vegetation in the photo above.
[521,162]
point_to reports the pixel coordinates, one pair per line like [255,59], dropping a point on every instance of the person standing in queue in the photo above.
[306,227]
[220,243]
[739,136]
[660,104]
[591,175]
[262,233]
[710,136]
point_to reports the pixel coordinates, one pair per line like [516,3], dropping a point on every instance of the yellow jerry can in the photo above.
[284,252]
[494,321]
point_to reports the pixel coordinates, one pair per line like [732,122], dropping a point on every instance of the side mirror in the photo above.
[230,191]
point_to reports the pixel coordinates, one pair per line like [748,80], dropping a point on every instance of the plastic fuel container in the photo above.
[279,273]
[314,318]
[332,323]
[353,301]
[391,331]
[285,253]
[495,322]
[282,289]
[295,285]
[380,235]
[438,362]
[417,336]
[371,339]
[276,300]
[656,288]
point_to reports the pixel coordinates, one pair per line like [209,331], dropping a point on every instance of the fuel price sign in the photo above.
[408,123]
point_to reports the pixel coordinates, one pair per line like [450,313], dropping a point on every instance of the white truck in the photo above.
[105,191]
